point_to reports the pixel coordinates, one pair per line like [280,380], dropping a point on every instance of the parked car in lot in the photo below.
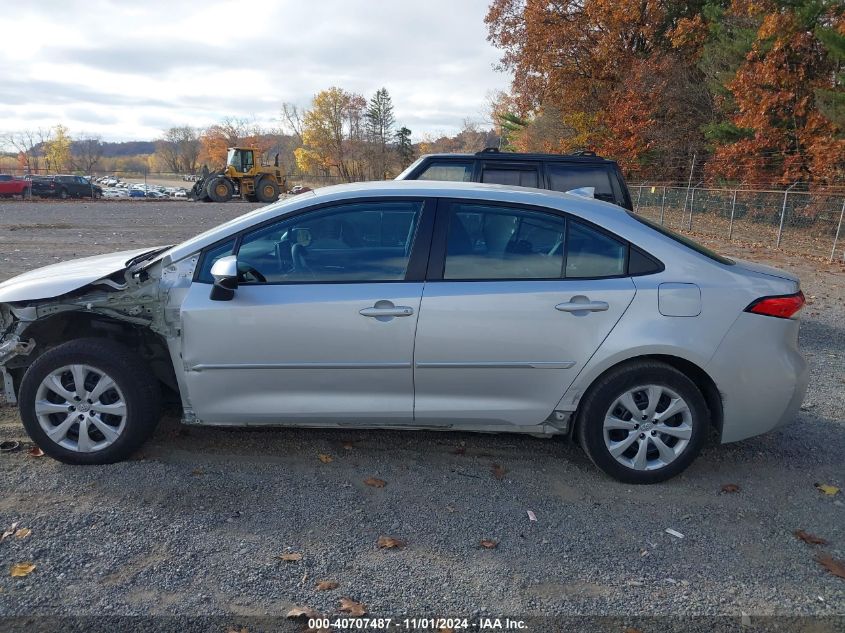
[65,187]
[11,186]
[558,172]
[412,305]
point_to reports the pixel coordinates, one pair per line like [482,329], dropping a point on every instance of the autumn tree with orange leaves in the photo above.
[654,82]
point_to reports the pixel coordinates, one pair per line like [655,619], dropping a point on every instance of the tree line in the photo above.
[753,89]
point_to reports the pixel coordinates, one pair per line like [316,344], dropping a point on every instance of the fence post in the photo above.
[691,203]
[639,195]
[689,184]
[836,238]
[731,225]
[662,205]
[783,213]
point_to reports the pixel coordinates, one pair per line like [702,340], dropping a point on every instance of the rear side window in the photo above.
[698,248]
[567,177]
[591,253]
[453,171]
[493,242]
[513,177]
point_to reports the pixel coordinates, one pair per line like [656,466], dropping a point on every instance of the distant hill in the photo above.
[115,150]
[127,148]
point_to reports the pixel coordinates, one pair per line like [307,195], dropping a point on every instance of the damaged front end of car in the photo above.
[137,305]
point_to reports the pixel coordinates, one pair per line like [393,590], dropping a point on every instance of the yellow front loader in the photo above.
[243,177]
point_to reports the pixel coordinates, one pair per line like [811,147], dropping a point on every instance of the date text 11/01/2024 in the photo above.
[412,624]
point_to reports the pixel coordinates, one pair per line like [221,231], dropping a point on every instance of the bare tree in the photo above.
[179,149]
[292,120]
[86,153]
[27,144]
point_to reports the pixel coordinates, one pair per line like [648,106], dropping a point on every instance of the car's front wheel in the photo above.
[643,422]
[89,401]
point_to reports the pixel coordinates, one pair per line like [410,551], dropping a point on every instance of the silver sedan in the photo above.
[412,305]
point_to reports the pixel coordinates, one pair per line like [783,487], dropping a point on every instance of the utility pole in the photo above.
[783,213]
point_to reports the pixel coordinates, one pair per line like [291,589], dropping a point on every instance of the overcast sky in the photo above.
[127,70]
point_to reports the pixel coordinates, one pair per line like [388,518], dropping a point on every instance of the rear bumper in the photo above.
[760,374]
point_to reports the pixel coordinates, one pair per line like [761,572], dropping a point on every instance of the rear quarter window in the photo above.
[692,244]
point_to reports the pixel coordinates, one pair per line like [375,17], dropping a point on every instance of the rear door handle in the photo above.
[582,306]
[396,311]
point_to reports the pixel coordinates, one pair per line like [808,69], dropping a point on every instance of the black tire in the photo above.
[139,388]
[63,194]
[266,189]
[604,392]
[219,189]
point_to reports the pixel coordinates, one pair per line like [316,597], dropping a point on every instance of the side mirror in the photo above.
[225,273]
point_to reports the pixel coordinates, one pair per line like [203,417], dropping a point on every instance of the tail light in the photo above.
[781,306]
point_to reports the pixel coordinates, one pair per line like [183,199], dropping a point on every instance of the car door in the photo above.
[517,300]
[321,327]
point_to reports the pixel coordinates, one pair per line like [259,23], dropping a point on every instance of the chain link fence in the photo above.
[806,223]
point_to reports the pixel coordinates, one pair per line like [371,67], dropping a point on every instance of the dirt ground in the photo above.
[195,523]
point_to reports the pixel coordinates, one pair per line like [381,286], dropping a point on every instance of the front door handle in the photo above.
[394,311]
[582,304]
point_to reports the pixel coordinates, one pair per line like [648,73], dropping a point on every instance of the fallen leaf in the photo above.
[826,489]
[22,570]
[291,557]
[23,533]
[348,446]
[812,539]
[327,585]
[35,452]
[730,488]
[243,629]
[444,629]
[347,605]
[302,612]
[499,471]
[450,509]
[489,543]
[326,459]
[10,531]
[374,482]
[388,542]
[631,629]
[196,472]
[831,564]
[461,450]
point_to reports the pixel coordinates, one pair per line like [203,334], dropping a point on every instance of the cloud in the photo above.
[132,68]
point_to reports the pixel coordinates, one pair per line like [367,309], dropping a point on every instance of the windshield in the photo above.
[698,248]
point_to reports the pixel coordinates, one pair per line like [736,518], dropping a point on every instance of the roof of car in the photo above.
[495,154]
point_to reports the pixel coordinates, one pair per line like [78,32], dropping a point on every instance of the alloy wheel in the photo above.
[80,408]
[647,427]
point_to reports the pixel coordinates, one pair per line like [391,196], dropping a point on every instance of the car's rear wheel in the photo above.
[63,194]
[643,422]
[89,401]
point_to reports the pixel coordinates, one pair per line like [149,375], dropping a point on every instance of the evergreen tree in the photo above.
[380,121]
[404,147]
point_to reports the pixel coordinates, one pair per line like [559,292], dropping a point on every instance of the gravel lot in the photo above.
[196,522]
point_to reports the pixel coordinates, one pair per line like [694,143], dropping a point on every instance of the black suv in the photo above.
[65,187]
[558,172]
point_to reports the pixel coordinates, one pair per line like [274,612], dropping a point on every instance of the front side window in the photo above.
[493,242]
[367,241]
[453,171]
